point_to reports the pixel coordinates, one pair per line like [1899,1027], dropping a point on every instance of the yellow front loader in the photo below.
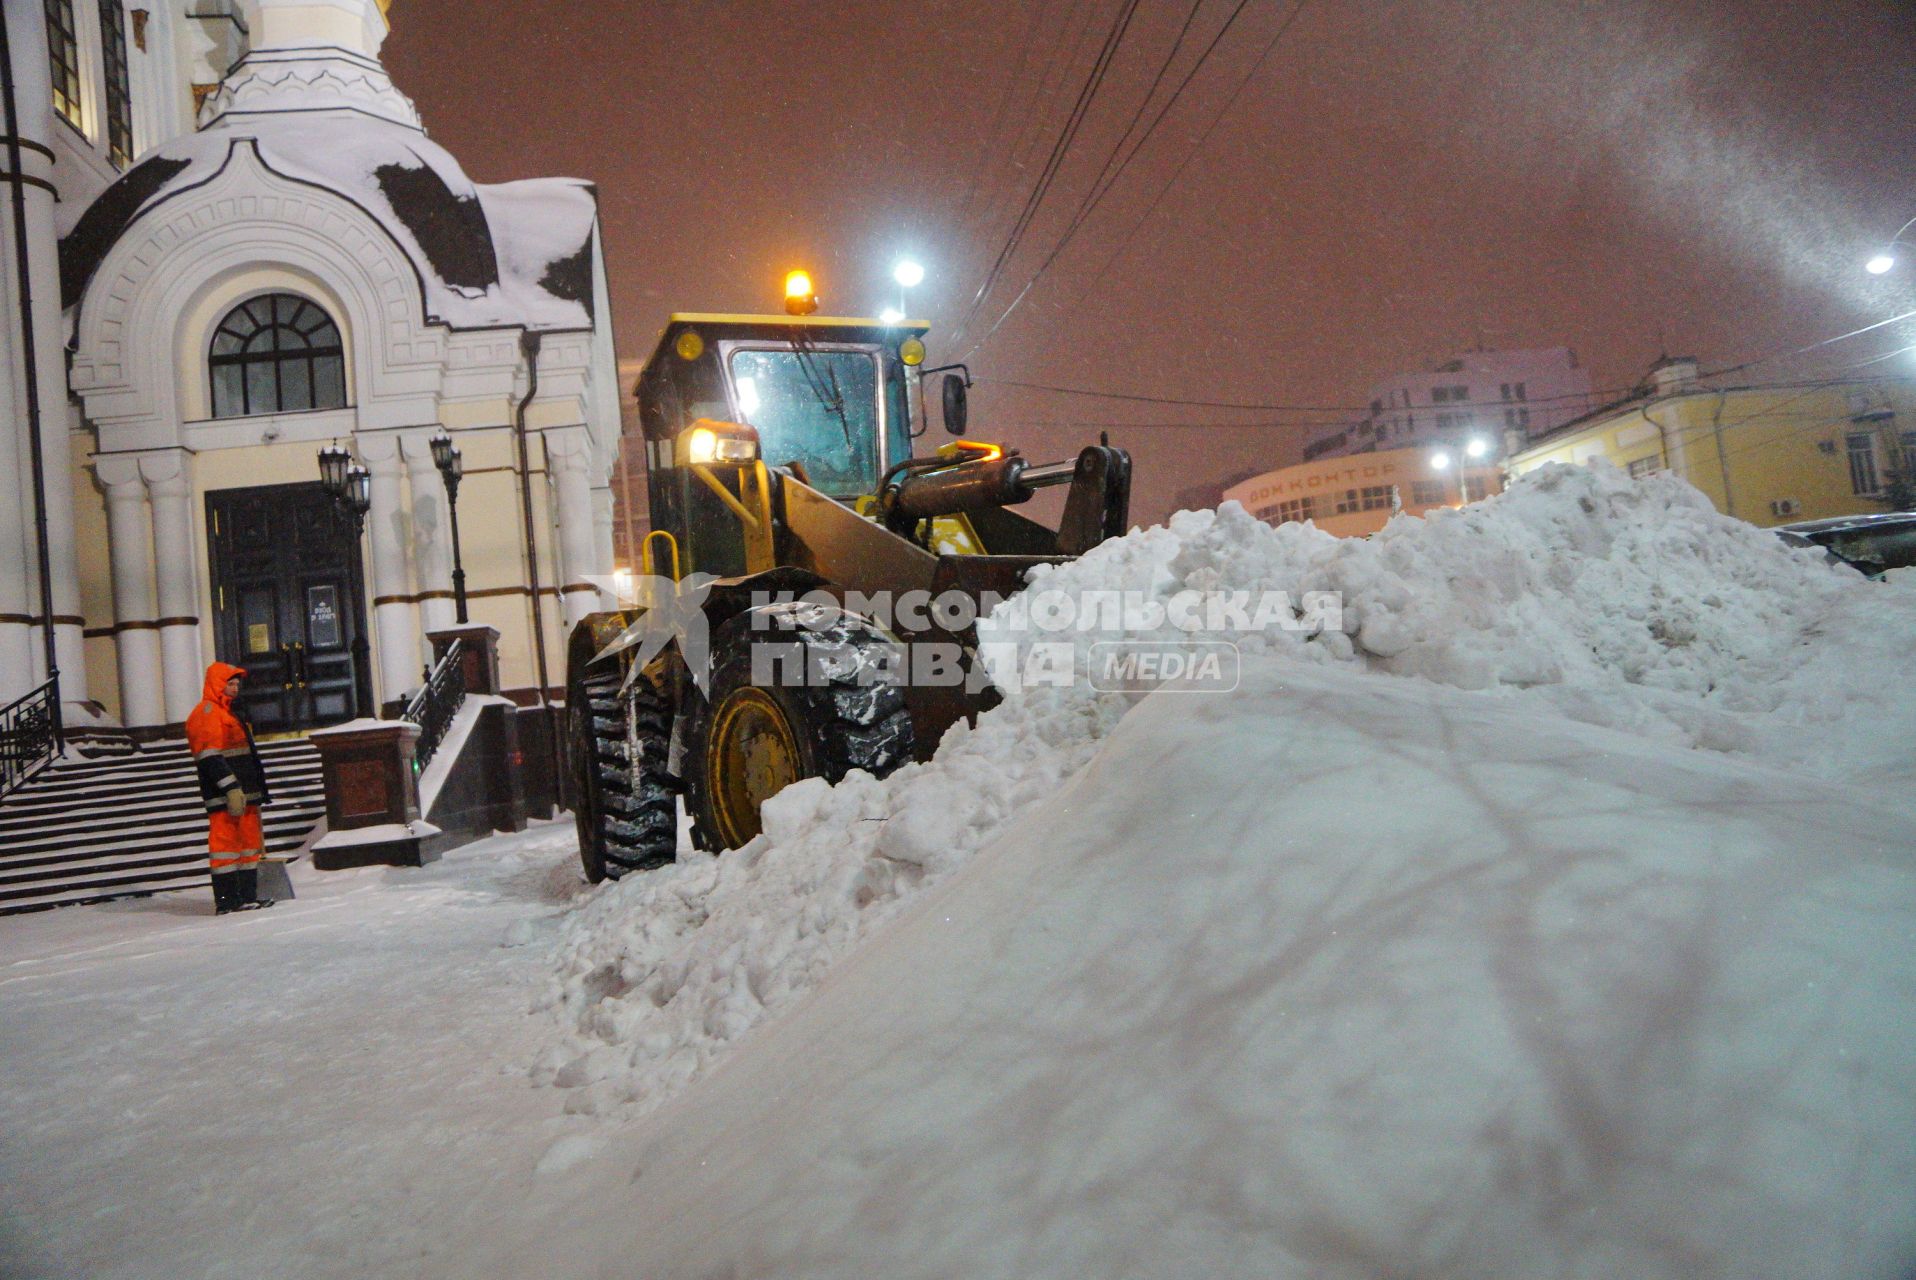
[806,602]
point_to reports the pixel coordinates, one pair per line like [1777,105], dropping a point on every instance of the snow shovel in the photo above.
[274,885]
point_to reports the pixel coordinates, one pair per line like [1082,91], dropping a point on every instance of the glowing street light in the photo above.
[1477,447]
[1440,461]
[908,274]
[1886,260]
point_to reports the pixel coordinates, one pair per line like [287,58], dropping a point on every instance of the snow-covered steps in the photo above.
[86,830]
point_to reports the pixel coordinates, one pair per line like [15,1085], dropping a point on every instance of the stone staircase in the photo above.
[88,830]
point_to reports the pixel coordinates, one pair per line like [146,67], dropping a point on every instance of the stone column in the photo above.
[431,535]
[32,92]
[569,451]
[19,639]
[602,540]
[175,564]
[136,635]
[395,624]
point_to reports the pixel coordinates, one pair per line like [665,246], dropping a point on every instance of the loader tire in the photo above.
[745,742]
[627,809]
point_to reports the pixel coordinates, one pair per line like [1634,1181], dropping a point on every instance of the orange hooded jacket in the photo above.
[224,754]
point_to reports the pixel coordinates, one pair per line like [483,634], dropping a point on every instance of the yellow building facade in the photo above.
[1352,496]
[1771,455]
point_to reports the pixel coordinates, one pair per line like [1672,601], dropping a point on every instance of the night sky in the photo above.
[1396,182]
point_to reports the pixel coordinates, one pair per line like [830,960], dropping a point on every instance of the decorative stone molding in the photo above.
[128,348]
[275,80]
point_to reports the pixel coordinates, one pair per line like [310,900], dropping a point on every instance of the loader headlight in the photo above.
[708,441]
[912,352]
[689,346]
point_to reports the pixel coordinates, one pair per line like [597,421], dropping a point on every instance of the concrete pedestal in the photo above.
[372,797]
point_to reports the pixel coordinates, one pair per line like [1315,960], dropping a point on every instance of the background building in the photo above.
[1484,393]
[257,251]
[631,497]
[1769,454]
[1353,496]
[1204,497]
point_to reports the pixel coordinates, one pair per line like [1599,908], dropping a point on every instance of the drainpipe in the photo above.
[1663,438]
[16,180]
[1722,463]
[529,342]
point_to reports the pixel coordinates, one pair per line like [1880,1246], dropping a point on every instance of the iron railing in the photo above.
[29,734]
[437,702]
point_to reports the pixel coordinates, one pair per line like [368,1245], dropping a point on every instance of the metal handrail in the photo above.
[30,736]
[437,702]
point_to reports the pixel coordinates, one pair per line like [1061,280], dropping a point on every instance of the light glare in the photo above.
[1477,447]
[1439,461]
[1877,265]
[908,273]
[890,315]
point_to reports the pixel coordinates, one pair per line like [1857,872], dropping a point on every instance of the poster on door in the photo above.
[322,617]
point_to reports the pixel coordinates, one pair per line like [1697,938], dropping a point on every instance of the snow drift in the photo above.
[1579,595]
[1340,977]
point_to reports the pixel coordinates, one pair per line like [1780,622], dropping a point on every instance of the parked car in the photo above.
[1872,544]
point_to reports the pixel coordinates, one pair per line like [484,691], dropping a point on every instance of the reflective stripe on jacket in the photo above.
[223,751]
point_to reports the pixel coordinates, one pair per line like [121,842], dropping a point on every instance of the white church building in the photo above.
[241,247]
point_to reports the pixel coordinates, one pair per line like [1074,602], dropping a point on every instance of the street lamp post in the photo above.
[350,486]
[451,468]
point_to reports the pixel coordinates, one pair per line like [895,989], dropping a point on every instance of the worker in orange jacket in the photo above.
[233,785]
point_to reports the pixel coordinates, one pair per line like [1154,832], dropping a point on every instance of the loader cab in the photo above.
[829,394]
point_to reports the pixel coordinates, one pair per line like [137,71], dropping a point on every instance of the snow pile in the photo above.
[661,972]
[1631,604]
[1622,603]
[1339,977]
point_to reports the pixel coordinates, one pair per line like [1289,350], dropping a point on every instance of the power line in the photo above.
[1055,162]
[1058,60]
[1298,408]
[1191,155]
[1106,174]
[1779,355]
[1169,426]
[1097,195]
[989,148]
[1190,16]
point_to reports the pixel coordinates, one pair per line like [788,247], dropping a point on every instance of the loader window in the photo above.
[817,407]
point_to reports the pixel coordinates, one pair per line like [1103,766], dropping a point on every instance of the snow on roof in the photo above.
[517,253]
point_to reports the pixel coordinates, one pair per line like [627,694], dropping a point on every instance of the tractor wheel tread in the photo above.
[627,810]
[846,720]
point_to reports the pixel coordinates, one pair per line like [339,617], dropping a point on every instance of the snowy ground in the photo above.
[1556,919]
[329,1088]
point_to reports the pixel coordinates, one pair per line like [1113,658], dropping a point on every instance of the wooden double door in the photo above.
[283,563]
